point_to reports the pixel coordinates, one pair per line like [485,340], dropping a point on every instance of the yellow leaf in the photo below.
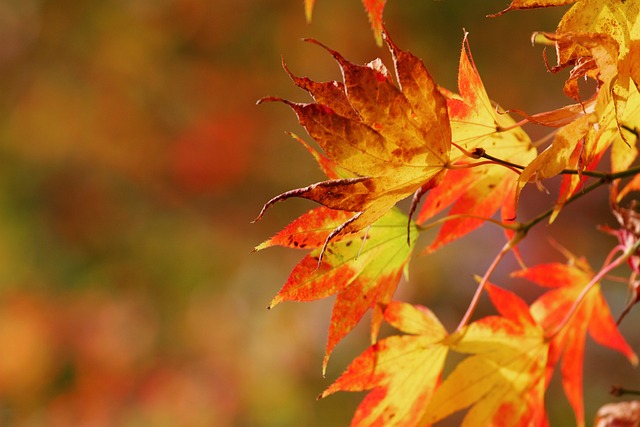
[504,379]
[402,371]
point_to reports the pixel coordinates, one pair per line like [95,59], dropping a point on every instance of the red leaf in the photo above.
[592,315]
[479,191]
[391,141]
[362,269]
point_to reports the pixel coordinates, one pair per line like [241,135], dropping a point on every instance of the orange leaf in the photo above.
[362,269]
[403,371]
[477,191]
[503,381]
[374,10]
[394,141]
[593,315]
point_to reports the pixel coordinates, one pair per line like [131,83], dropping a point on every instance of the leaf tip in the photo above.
[633,358]
[275,301]
[502,12]
[308,9]
[325,362]
[334,53]
[262,246]
[270,99]
[377,34]
[260,215]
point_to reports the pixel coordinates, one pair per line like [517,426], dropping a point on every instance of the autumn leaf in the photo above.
[599,138]
[558,156]
[600,40]
[503,380]
[580,144]
[362,269]
[566,282]
[395,141]
[402,370]
[374,9]
[612,24]
[476,191]
[616,19]
[358,284]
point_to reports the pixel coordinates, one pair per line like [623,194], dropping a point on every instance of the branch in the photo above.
[617,390]
[485,279]
[604,178]
[608,176]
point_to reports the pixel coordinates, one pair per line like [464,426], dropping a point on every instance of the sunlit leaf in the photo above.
[362,269]
[593,315]
[503,380]
[402,371]
[395,141]
[477,191]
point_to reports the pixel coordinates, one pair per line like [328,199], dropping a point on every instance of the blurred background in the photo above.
[132,160]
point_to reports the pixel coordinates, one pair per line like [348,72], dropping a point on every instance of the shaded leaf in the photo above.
[612,18]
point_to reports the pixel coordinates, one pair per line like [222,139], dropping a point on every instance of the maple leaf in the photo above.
[362,269]
[395,141]
[616,19]
[581,143]
[503,381]
[600,39]
[359,284]
[612,24]
[589,151]
[402,370]
[477,191]
[374,9]
[567,282]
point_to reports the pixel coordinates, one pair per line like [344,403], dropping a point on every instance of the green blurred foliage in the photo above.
[132,159]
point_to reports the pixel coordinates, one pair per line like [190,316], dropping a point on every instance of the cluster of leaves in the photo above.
[383,141]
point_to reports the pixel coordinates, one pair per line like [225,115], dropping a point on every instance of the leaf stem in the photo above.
[476,297]
[618,390]
[606,269]
[607,176]
[604,178]
[501,224]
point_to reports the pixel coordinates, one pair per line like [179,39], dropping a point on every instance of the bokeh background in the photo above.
[132,160]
